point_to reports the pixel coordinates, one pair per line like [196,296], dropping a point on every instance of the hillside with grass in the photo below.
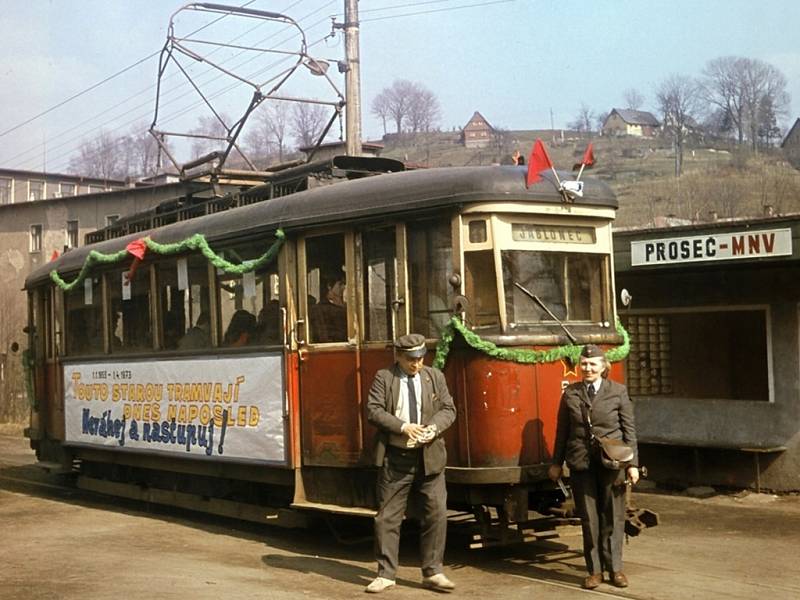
[718,181]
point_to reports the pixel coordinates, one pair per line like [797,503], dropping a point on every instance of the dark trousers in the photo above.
[403,474]
[600,503]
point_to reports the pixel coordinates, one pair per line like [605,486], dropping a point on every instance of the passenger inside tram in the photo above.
[199,336]
[241,330]
[329,316]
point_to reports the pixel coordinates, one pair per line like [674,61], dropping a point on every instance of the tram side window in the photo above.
[480,285]
[379,283]
[131,329]
[249,303]
[569,284]
[430,260]
[83,313]
[326,283]
[183,296]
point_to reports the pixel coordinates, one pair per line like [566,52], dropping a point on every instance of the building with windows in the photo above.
[624,121]
[56,222]
[18,186]
[477,133]
[714,366]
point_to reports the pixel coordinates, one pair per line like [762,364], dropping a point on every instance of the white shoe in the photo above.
[438,583]
[378,585]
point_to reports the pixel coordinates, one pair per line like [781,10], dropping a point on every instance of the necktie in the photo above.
[591,391]
[412,401]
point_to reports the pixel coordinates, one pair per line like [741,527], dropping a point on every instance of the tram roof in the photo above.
[369,198]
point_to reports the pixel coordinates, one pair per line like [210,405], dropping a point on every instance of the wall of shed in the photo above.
[701,440]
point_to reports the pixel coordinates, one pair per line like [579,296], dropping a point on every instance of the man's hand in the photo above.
[414,431]
[633,475]
[554,472]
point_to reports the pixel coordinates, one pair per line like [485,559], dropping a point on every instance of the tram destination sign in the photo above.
[559,234]
[719,246]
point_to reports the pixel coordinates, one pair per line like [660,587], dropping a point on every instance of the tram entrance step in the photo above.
[215,506]
[55,468]
[336,509]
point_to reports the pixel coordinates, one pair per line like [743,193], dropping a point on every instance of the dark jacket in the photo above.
[437,408]
[611,414]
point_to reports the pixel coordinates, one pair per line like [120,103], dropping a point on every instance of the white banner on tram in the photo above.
[212,408]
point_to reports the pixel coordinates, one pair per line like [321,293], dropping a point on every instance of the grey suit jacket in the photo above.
[437,409]
[611,414]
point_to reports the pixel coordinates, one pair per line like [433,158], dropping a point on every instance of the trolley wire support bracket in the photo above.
[185,49]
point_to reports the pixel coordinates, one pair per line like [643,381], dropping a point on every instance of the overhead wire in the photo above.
[183,111]
[37,146]
[104,81]
[171,92]
[188,108]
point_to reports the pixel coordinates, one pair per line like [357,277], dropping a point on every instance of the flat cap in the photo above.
[412,344]
[592,351]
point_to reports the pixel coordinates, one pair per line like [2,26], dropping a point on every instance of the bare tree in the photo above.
[583,121]
[307,122]
[738,86]
[211,127]
[633,99]
[678,99]
[100,157]
[423,110]
[396,100]
[766,98]
[270,131]
[600,119]
[380,108]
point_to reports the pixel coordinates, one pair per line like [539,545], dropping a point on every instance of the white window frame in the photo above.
[61,189]
[44,189]
[31,238]
[10,189]
[77,234]
[109,223]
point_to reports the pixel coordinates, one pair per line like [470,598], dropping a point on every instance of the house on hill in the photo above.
[623,121]
[477,133]
[791,145]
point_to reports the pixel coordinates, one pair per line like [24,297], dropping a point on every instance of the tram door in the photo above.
[330,413]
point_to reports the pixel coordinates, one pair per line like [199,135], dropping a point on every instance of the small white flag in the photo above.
[573,189]
[87,291]
[249,283]
[126,286]
[183,273]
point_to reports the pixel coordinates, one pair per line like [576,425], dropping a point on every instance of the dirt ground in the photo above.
[61,543]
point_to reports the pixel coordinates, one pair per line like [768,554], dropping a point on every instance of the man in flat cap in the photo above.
[410,405]
[596,407]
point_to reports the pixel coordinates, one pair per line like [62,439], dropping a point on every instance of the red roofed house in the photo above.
[477,133]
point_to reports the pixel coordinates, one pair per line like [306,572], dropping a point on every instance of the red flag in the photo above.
[538,162]
[54,255]
[588,158]
[137,248]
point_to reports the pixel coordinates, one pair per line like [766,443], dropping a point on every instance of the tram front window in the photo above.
[569,284]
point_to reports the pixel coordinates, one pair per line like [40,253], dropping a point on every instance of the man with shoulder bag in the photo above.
[596,436]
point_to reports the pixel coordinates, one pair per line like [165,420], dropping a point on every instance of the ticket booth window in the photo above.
[707,354]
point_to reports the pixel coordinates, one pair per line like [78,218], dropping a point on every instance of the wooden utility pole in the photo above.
[352,80]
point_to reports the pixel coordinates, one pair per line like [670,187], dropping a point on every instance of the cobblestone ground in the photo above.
[60,543]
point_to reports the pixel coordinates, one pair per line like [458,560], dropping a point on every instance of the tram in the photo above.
[223,362]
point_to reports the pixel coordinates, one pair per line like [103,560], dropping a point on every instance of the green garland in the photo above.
[196,242]
[571,351]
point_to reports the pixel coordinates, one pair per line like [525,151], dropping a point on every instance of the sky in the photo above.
[522,63]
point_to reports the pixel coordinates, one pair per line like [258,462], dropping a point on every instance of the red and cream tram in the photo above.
[222,363]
